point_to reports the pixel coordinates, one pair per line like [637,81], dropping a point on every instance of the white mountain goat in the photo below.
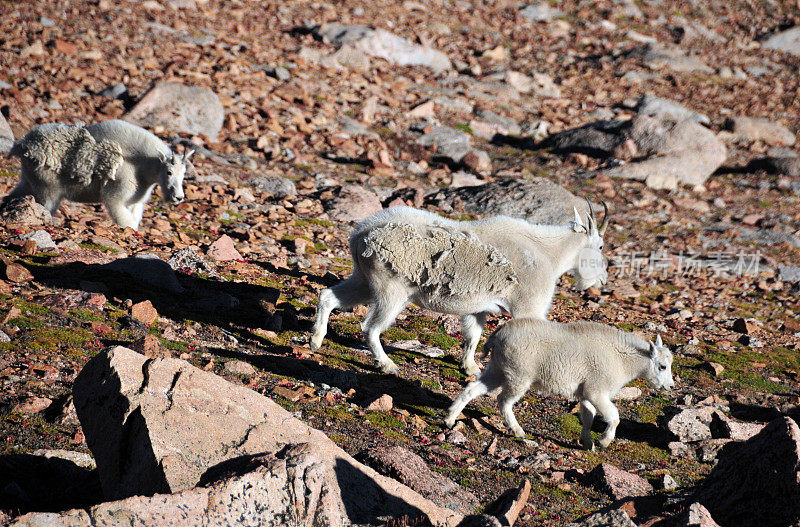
[584,360]
[469,268]
[114,163]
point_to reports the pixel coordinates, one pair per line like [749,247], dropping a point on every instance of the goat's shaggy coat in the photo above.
[469,268]
[583,360]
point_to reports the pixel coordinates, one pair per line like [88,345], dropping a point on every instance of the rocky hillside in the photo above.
[308,116]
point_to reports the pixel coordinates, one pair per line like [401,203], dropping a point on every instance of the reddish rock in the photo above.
[150,346]
[351,203]
[144,311]
[478,161]
[24,212]
[618,483]
[757,482]
[31,405]
[384,402]
[223,250]
[714,368]
[744,326]
[16,273]
[74,299]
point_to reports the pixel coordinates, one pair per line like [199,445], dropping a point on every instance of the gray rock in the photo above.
[180,108]
[115,91]
[188,260]
[537,200]
[239,367]
[540,12]
[6,136]
[351,203]
[81,459]
[781,161]
[757,482]
[612,518]
[410,469]
[698,516]
[279,187]
[352,127]
[44,242]
[789,273]
[278,72]
[598,139]
[753,129]
[788,41]
[689,423]
[383,44]
[679,152]
[147,422]
[148,269]
[659,106]
[450,143]
[658,57]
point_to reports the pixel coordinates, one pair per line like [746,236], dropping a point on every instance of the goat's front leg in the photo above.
[587,418]
[137,211]
[472,329]
[121,215]
[610,415]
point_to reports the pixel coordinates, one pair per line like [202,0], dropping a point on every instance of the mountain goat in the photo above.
[469,268]
[585,360]
[114,163]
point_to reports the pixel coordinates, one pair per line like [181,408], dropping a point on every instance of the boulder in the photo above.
[6,136]
[189,261]
[690,423]
[223,250]
[158,425]
[612,518]
[698,516]
[296,486]
[618,483]
[383,44]
[650,105]
[279,187]
[537,200]
[677,152]
[752,129]
[408,468]
[788,41]
[351,203]
[179,108]
[42,239]
[23,212]
[757,482]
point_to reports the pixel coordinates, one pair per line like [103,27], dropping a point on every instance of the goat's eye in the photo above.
[662,367]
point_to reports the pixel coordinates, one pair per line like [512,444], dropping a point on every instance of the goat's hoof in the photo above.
[390,368]
[450,422]
[604,444]
[314,346]
[471,369]
[520,433]
[588,445]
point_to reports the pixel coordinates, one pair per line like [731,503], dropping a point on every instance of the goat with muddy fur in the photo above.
[468,268]
[114,163]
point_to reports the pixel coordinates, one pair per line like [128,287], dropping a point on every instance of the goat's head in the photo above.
[659,374]
[590,265]
[173,172]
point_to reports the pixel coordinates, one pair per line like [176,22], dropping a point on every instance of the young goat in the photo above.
[403,255]
[114,163]
[585,360]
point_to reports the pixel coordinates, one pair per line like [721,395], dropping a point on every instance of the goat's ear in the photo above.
[659,342]
[577,227]
[651,349]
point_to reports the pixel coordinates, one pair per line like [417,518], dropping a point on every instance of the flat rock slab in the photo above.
[155,426]
[613,518]
[757,482]
[537,200]
[618,483]
[351,203]
[409,468]
[180,108]
[148,269]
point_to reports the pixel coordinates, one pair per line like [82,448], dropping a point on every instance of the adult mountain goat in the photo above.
[469,268]
[585,360]
[114,163]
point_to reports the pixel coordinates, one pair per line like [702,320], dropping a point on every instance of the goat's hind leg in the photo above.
[121,215]
[382,314]
[471,328]
[21,190]
[508,397]
[487,382]
[344,295]
[588,412]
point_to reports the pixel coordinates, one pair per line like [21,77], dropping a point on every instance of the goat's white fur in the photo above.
[583,360]
[114,163]
[403,255]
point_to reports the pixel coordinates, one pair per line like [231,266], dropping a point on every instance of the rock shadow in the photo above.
[30,483]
